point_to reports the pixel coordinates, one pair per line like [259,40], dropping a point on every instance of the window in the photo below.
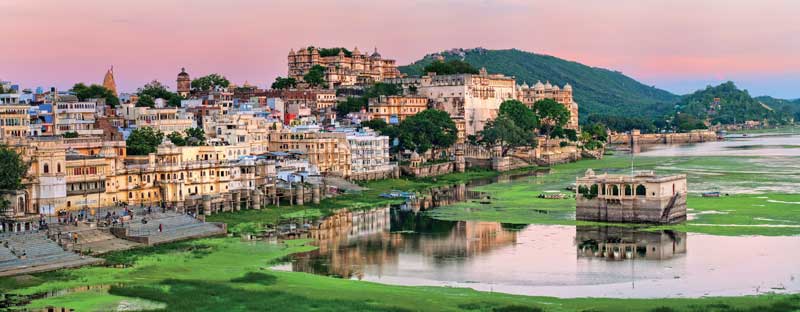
[46,168]
[641,190]
[615,190]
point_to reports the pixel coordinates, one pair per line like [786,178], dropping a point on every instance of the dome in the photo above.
[356,51]
[567,87]
[589,172]
[538,86]
[556,88]
[183,73]
[525,85]
[291,52]
[548,86]
[376,54]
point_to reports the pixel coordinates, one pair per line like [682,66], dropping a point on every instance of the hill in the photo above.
[791,107]
[733,106]
[597,90]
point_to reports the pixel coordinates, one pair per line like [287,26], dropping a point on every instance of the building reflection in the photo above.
[351,242]
[622,243]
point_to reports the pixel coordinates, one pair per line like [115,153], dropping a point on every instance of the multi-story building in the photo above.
[329,151]
[369,155]
[342,67]
[241,129]
[71,115]
[164,119]
[475,98]
[394,109]
[315,99]
[14,117]
[539,91]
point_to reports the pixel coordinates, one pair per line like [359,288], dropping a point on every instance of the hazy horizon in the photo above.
[679,46]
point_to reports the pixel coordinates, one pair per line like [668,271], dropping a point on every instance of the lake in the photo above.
[401,245]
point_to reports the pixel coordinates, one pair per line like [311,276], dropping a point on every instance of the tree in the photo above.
[552,116]
[381,88]
[143,141]
[284,83]
[349,105]
[429,129]
[505,133]
[95,92]
[70,135]
[177,138]
[12,169]
[450,68]
[145,101]
[522,116]
[157,90]
[315,76]
[375,124]
[209,82]
[195,137]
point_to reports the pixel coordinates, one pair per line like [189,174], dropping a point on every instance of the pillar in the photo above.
[315,194]
[300,194]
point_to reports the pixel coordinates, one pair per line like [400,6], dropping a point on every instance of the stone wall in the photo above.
[662,138]
[375,175]
[638,210]
[424,171]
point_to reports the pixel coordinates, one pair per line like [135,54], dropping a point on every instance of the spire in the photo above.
[109,82]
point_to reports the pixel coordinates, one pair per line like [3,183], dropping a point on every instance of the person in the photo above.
[160,227]
[75,237]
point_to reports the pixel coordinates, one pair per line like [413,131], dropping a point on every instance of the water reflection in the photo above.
[624,243]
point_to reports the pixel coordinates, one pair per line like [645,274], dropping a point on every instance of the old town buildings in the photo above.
[259,146]
[342,67]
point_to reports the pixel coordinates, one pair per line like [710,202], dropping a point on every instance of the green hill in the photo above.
[597,90]
[734,105]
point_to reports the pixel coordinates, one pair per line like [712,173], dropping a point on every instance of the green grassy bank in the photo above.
[226,274]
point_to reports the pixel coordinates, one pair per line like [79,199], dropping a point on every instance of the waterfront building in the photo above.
[329,151]
[475,98]
[369,154]
[394,109]
[642,197]
[315,99]
[529,95]
[342,68]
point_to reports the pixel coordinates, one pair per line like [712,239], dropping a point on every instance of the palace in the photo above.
[529,95]
[394,109]
[342,67]
[473,98]
[640,198]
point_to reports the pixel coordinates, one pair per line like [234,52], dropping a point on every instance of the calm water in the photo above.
[753,145]
[399,245]
[395,245]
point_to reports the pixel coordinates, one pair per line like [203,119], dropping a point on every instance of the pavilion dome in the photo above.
[538,86]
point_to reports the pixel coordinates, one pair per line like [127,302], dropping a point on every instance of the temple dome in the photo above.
[567,87]
[376,54]
[548,86]
[538,86]
[183,73]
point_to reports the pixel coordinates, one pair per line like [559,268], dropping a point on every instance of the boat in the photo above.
[552,196]
[397,194]
[711,194]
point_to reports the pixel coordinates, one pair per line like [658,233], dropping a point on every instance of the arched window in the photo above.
[593,190]
[58,168]
[615,190]
[583,190]
[628,190]
[46,168]
[641,190]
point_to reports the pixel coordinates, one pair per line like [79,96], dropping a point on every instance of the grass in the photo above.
[253,220]
[234,276]
[758,205]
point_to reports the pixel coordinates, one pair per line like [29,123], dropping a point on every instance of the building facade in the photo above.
[394,109]
[342,68]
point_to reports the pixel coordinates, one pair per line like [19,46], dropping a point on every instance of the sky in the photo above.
[677,45]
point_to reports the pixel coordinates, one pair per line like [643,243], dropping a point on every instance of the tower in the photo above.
[184,83]
[108,81]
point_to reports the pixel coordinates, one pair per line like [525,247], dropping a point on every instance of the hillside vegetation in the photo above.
[734,106]
[597,90]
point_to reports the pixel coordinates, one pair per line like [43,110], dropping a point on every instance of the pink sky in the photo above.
[679,45]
